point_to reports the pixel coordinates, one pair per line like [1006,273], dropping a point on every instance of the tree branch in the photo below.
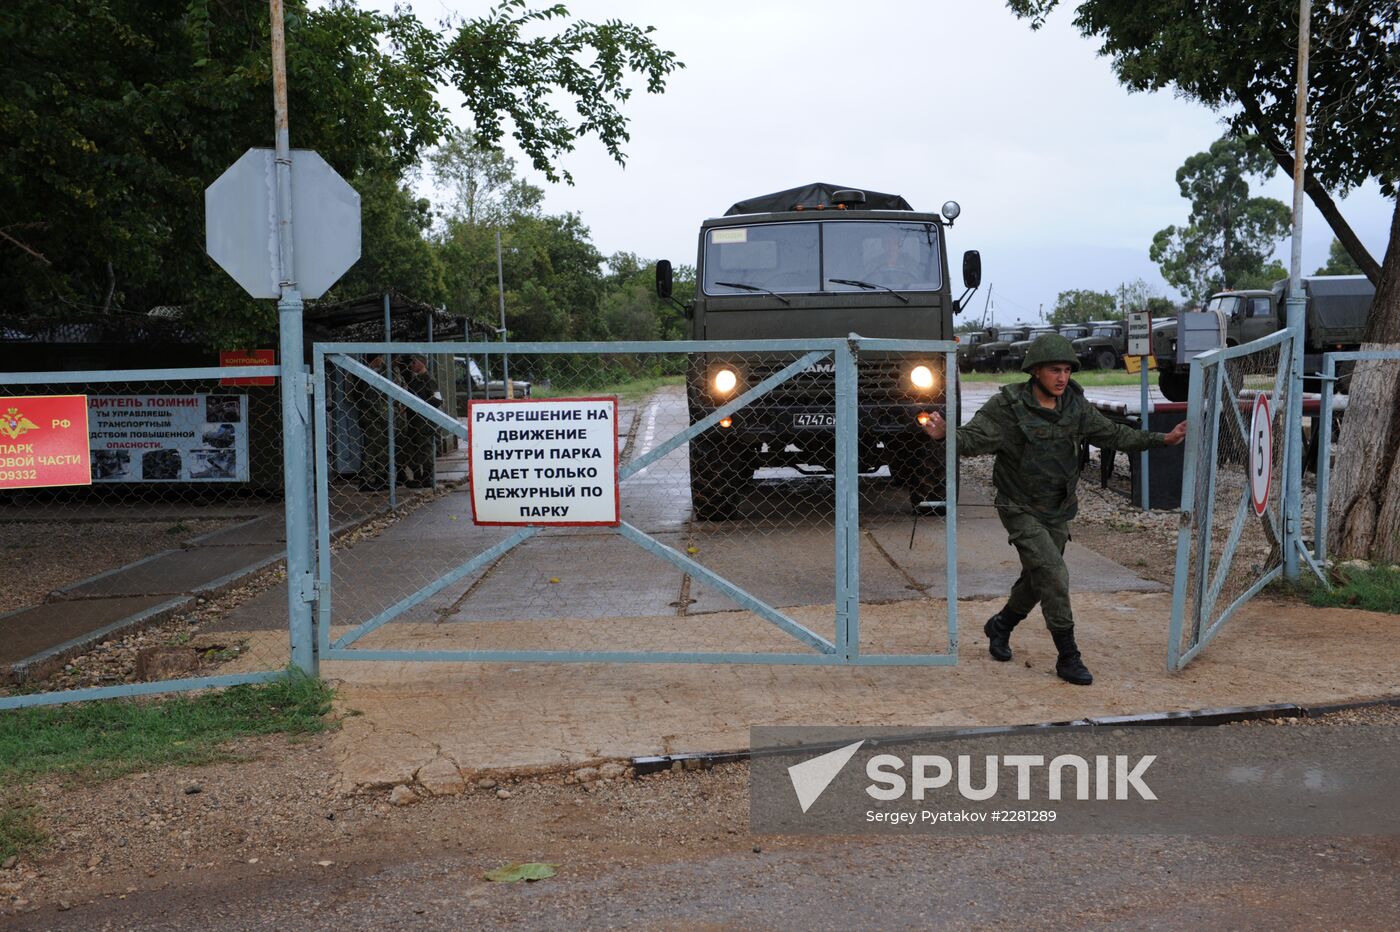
[32,252]
[1318,194]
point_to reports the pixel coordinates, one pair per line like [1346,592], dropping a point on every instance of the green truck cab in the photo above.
[819,261]
[1337,307]
[993,356]
[1104,346]
[1016,351]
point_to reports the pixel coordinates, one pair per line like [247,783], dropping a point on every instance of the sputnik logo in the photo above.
[12,424]
[811,777]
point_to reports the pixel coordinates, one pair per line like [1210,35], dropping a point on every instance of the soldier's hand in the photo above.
[936,427]
[1177,435]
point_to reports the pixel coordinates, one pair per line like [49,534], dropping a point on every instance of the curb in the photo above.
[702,760]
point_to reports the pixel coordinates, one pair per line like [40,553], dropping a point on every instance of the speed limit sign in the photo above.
[1261,453]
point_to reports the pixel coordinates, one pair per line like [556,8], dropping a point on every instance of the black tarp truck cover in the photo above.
[814,196]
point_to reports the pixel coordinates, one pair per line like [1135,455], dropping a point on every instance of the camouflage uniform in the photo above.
[419,434]
[1036,474]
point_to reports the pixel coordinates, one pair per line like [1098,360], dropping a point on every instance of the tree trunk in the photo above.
[1364,500]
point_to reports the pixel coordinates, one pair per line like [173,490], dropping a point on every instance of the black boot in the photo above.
[1070,667]
[998,631]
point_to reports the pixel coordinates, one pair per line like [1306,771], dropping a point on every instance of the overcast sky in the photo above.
[1062,175]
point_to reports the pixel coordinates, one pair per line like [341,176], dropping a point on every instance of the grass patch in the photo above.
[1090,377]
[101,740]
[19,826]
[628,390]
[1376,589]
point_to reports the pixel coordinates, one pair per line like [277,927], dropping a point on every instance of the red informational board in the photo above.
[44,441]
[257,357]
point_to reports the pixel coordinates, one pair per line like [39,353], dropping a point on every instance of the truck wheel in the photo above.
[1176,386]
[1106,359]
[719,475]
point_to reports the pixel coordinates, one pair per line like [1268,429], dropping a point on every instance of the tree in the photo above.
[118,113]
[1078,305]
[1338,261]
[1241,58]
[1229,236]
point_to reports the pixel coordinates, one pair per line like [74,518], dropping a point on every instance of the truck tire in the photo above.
[720,473]
[1175,385]
[1106,359]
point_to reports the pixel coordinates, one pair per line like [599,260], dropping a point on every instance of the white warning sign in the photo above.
[544,461]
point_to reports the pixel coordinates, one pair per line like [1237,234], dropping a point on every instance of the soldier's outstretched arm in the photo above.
[1105,434]
[983,434]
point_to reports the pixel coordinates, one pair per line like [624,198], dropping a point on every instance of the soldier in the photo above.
[419,434]
[372,409]
[1036,429]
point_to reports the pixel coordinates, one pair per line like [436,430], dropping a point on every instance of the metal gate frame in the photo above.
[843,650]
[1208,578]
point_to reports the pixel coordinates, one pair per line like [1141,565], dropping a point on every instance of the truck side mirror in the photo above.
[663,279]
[972,268]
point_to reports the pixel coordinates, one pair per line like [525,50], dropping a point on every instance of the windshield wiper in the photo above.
[871,285]
[745,287]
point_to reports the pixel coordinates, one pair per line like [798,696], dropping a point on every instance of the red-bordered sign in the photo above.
[545,461]
[1261,454]
[44,441]
[257,357]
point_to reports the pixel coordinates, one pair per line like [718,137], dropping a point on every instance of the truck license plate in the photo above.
[814,420]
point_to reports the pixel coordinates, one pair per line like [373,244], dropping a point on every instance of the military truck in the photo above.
[994,351]
[1336,320]
[819,261]
[1016,351]
[970,347]
[1104,347]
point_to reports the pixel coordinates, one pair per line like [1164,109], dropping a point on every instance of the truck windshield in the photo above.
[806,257]
[1105,331]
[1039,333]
[1224,303]
[1073,333]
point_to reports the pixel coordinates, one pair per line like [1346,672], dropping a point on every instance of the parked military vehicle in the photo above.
[1016,351]
[819,261]
[1336,320]
[1105,345]
[970,347]
[995,350]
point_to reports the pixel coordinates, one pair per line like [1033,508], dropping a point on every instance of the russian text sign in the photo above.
[544,461]
[257,357]
[1139,333]
[169,438]
[44,441]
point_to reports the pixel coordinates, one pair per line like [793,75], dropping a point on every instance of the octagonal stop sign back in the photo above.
[240,223]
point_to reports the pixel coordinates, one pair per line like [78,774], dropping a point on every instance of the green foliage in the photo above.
[1339,262]
[107,739]
[1078,305]
[118,113]
[1374,589]
[1229,236]
[1226,54]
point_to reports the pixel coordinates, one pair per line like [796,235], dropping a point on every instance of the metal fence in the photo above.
[1330,383]
[754,478]
[1231,541]
[163,573]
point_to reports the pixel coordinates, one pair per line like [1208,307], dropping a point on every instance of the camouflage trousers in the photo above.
[1044,579]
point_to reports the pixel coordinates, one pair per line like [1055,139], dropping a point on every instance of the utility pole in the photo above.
[1297,314]
[501,294]
[295,419]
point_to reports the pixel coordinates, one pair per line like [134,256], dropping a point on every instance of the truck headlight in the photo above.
[724,381]
[922,377]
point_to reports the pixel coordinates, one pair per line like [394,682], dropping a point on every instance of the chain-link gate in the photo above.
[1231,541]
[153,565]
[746,471]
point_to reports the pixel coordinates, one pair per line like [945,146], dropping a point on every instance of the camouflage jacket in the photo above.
[1037,449]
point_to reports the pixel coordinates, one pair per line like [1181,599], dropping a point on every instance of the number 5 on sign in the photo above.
[1261,454]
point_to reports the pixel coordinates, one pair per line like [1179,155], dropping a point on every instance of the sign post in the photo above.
[1140,345]
[249,232]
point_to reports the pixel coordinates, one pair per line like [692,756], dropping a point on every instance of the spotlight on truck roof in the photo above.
[951,210]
